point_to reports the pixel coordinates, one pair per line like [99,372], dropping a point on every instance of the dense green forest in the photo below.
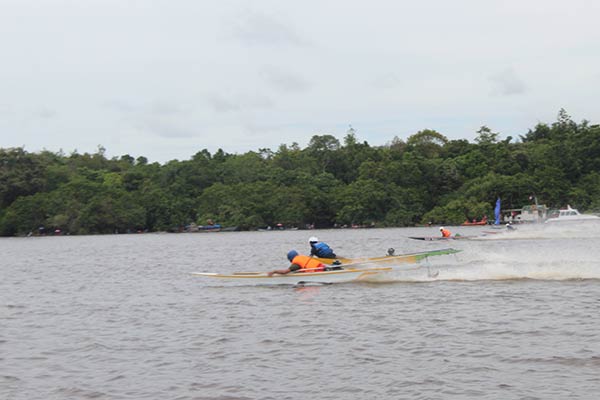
[328,183]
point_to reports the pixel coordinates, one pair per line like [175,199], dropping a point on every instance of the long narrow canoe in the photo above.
[336,276]
[397,259]
[349,271]
[441,238]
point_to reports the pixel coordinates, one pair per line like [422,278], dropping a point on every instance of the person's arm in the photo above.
[279,272]
[291,268]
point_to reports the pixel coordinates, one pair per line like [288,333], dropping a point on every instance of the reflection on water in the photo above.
[513,315]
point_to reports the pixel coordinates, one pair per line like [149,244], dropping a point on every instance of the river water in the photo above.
[512,316]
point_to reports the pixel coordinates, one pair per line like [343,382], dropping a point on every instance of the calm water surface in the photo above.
[513,316]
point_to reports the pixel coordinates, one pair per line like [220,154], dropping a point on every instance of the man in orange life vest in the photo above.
[445,232]
[300,262]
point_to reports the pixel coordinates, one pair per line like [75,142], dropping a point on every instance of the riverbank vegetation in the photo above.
[425,178]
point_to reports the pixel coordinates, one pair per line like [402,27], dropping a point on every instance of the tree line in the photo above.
[427,178]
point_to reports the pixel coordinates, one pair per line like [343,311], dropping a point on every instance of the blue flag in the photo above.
[497,212]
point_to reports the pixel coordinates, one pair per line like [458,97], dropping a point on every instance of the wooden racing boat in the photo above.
[389,259]
[294,278]
[351,271]
[440,237]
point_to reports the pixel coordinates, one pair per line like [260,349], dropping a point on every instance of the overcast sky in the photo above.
[165,79]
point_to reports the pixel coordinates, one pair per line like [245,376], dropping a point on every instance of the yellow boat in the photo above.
[345,270]
[409,258]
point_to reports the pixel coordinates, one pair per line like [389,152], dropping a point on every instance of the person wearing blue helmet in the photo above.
[291,254]
[320,249]
[300,263]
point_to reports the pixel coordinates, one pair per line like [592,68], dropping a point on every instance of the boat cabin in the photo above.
[528,214]
[563,212]
[570,214]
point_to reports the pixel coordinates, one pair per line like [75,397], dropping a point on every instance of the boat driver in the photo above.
[300,263]
[445,232]
[320,249]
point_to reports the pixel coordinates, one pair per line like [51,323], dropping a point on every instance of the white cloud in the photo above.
[285,82]
[506,82]
[253,27]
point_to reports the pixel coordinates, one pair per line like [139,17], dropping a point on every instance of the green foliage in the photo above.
[21,174]
[427,143]
[25,215]
[457,211]
[486,137]
[362,202]
[426,178]
[110,213]
[586,194]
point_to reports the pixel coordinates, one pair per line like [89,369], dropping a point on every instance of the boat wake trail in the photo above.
[556,258]
[574,230]
[520,270]
[478,271]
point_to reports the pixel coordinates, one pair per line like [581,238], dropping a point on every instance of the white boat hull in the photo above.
[577,218]
[336,276]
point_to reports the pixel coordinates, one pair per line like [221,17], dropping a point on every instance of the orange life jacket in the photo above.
[445,233]
[308,263]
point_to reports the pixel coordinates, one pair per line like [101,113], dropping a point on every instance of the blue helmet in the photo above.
[292,254]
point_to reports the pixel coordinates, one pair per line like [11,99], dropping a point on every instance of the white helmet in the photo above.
[441,228]
[312,239]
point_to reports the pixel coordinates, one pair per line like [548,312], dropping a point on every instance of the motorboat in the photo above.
[569,215]
[356,270]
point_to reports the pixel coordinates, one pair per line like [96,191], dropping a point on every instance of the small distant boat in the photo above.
[569,215]
[209,228]
[456,237]
[475,223]
[277,227]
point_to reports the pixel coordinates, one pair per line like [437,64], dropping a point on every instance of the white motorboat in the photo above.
[570,215]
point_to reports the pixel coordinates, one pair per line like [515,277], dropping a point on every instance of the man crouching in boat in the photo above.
[300,263]
[445,232]
[320,249]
